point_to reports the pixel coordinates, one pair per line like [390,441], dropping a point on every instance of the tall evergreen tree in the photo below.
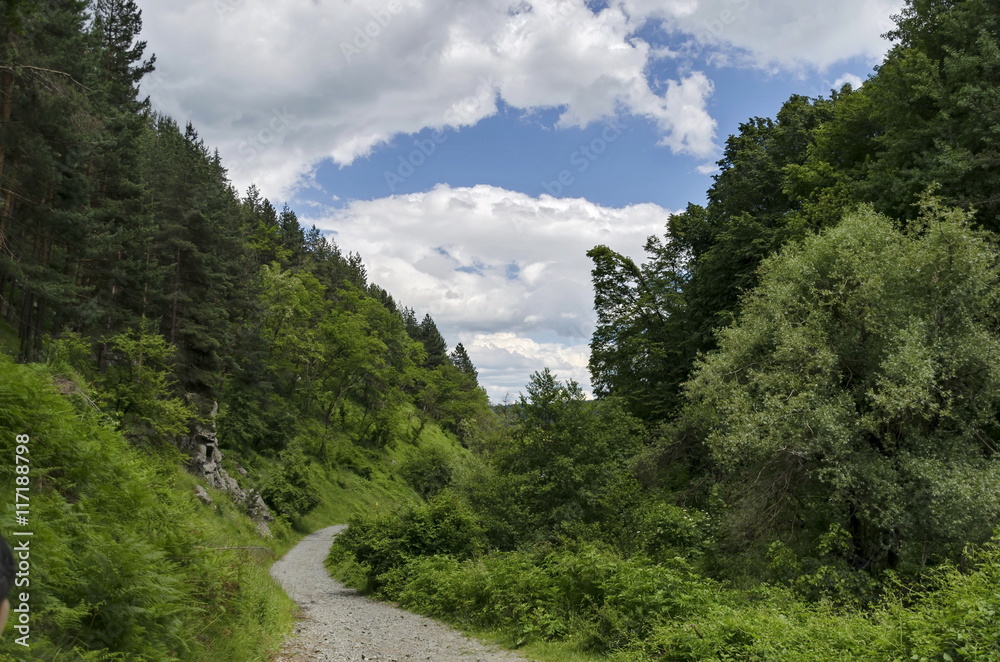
[433,342]
[460,359]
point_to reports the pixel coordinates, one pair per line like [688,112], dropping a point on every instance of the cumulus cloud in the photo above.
[502,272]
[281,86]
[783,33]
[855,81]
[506,360]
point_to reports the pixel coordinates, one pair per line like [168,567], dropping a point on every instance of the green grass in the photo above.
[365,480]
[126,562]
[543,651]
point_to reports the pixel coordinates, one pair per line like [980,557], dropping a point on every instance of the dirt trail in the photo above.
[340,625]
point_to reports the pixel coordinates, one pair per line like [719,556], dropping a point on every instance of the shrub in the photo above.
[122,569]
[289,489]
[586,592]
[383,543]
[428,472]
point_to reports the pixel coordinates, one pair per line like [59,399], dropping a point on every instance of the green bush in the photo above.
[123,558]
[960,621]
[588,592]
[384,543]
[428,472]
[289,490]
[769,624]
[667,531]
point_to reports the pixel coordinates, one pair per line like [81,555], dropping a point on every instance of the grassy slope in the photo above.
[129,560]
[124,557]
[113,521]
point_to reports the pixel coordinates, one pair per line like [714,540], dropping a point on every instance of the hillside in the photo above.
[790,453]
[202,380]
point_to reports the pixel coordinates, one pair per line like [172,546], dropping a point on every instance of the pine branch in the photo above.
[44,70]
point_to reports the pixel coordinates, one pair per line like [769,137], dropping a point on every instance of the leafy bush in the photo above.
[961,619]
[428,472]
[383,543]
[586,591]
[289,489]
[667,530]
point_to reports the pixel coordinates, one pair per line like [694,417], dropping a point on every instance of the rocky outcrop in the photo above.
[202,495]
[206,462]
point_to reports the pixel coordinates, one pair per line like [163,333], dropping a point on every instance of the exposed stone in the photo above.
[203,495]
[206,462]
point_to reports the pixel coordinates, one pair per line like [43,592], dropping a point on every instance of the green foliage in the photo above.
[125,561]
[824,574]
[860,382]
[605,601]
[137,388]
[560,467]
[460,359]
[428,472]
[453,398]
[385,543]
[289,488]
[637,350]
[666,531]
[958,620]
[955,621]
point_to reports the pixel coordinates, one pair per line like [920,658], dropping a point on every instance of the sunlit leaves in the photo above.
[865,373]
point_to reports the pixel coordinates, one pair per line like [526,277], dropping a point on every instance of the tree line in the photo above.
[793,450]
[859,364]
[124,244]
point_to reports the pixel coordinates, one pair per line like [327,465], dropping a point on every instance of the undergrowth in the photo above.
[126,563]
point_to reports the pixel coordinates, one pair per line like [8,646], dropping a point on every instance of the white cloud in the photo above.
[500,271]
[784,33]
[345,77]
[855,81]
[340,78]
[506,360]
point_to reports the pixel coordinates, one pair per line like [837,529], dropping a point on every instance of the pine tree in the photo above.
[460,359]
[433,341]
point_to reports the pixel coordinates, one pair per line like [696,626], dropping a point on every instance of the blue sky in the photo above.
[522,151]
[473,152]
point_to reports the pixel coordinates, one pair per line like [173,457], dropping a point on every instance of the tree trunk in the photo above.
[39,319]
[177,295]
[6,105]
[10,299]
[25,326]
[3,299]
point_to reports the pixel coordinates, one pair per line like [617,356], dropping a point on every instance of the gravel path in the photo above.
[340,625]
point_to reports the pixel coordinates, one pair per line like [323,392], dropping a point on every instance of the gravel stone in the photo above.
[340,625]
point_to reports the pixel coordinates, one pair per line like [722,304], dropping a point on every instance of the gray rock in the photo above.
[206,462]
[203,495]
